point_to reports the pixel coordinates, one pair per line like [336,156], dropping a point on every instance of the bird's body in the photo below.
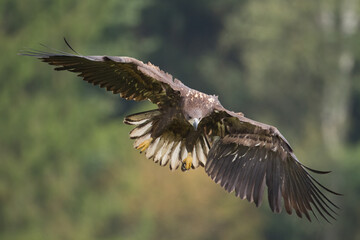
[192,129]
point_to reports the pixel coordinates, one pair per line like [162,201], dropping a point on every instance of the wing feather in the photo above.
[253,155]
[129,77]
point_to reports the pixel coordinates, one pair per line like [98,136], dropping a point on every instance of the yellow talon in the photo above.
[144,145]
[187,162]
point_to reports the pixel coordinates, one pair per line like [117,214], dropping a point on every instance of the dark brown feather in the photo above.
[133,79]
[252,155]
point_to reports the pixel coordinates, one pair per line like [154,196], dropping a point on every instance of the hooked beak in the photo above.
[194,122]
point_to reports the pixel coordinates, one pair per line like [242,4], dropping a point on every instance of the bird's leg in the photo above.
[187,162]
[144,145]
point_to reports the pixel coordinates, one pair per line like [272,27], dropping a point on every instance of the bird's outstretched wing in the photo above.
[129,77]
[248,155]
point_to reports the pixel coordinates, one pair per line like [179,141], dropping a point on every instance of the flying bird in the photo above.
[191,129]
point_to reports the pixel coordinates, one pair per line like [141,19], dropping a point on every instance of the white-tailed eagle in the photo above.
[191,129]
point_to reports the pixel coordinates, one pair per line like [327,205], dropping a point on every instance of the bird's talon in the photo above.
[187,162]
[144,145]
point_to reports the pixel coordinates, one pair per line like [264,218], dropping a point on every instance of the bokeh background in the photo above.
[67,166]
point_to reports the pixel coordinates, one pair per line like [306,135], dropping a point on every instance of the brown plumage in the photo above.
[191,129]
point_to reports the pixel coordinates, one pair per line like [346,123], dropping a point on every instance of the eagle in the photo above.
[191,129]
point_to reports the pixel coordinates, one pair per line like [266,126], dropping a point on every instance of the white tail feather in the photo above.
[136,122]
[160,152]
[151,150]
[159,147]
[184,152]
[139,131]
[166,155]
[174,158]
[195,161]
[200,153]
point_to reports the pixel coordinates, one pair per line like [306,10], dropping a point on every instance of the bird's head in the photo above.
[196,106]
[194,122]
[195,115]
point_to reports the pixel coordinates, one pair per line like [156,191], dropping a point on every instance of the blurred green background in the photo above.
[67,166]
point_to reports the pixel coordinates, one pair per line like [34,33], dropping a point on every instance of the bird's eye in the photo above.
[187,116]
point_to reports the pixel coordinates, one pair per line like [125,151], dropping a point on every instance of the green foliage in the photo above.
[67,167]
